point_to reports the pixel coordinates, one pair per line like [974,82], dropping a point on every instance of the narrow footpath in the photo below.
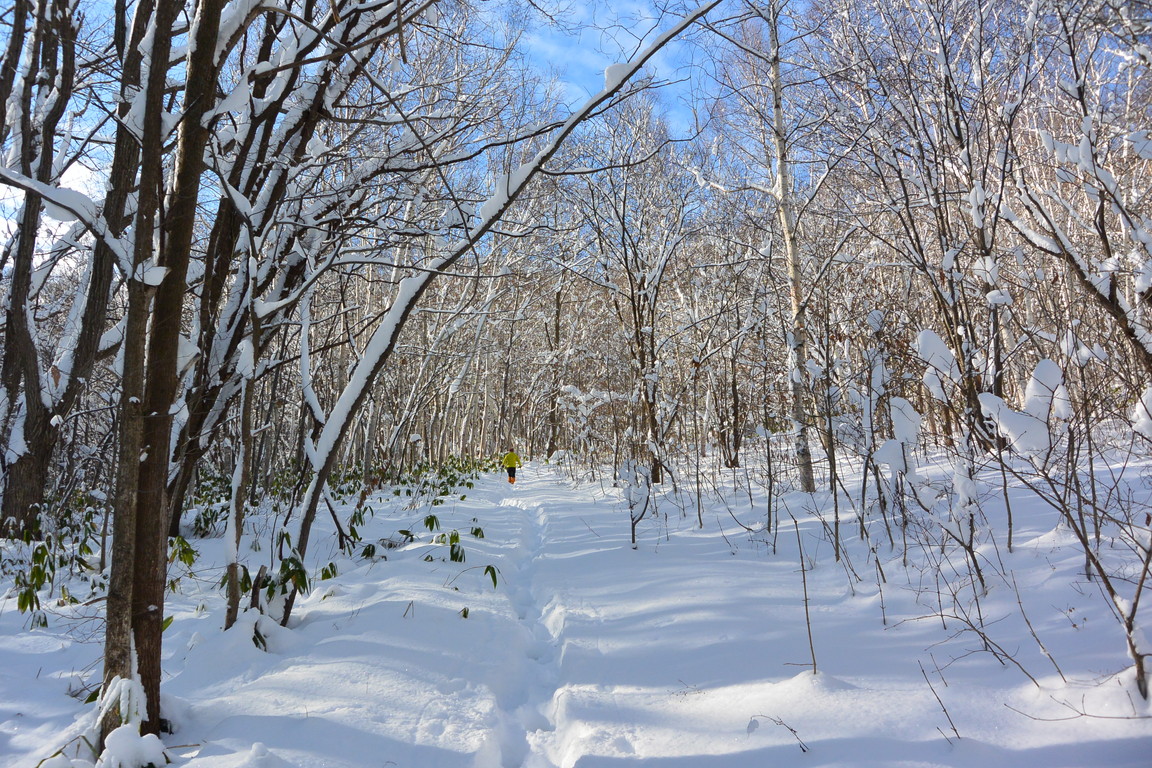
[689,652]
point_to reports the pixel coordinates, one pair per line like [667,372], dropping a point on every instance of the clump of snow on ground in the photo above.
[126,748]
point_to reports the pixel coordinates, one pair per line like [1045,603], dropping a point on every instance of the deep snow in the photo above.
[690,651]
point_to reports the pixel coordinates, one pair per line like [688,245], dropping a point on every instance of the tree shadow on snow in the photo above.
[890,753]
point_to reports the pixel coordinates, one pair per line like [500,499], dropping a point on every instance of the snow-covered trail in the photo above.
[525,672]
[688,652]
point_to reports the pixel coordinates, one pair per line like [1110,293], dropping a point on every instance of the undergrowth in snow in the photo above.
[729,645]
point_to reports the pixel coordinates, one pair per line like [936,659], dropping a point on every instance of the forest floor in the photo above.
[692,650]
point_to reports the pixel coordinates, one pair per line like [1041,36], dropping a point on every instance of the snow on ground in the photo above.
[691,651]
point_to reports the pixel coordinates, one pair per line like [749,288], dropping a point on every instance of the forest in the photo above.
[260,258]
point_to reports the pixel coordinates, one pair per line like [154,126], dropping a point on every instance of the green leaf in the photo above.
[181,550]
[491,571]
[167,623]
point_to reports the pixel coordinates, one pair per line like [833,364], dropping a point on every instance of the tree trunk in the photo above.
[118,628]
[787,215]
[10,64]
[242,475]
[118,653]
[241,479]
[28,475]
[554,395]
[28,416]
[148,554]
[163,344]
[47,86]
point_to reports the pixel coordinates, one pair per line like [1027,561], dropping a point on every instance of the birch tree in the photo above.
[767,82]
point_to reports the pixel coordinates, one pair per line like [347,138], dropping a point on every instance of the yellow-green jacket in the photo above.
[511,460]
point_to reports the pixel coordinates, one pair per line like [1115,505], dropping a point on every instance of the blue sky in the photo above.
[595,34]
[590,36]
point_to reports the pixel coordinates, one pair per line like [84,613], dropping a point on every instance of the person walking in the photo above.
[511,461]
